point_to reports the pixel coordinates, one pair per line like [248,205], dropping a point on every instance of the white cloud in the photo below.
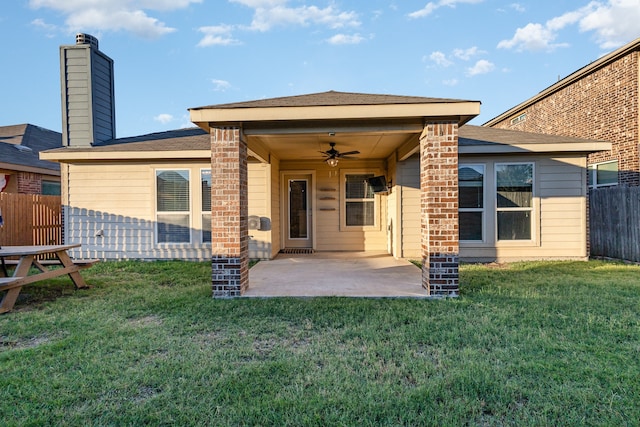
[440,59]
[272,13]
[50,29]
[532,37]
[450,82]
[614,22]
[114,15]
[467,54]
[346,39]
[481,67]
[217,35]
[163,118]
[517,7]
[431,7]
[220,85]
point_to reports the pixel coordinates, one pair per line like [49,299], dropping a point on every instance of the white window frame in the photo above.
[202,212]
[592,170]
[531,209]
[169,213]
[344,200]
[483,210]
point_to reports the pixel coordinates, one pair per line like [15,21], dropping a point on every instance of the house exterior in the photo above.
[21,169]
[255,178]
[599,101]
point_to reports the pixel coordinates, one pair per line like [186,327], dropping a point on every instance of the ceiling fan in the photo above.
[333,155]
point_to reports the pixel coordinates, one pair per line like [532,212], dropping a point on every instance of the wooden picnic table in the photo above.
[28,258]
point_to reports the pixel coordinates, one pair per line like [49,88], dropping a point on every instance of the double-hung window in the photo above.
[514,200]
[602,174]
[173,213]
[205,186]
[359,201]
[471,202]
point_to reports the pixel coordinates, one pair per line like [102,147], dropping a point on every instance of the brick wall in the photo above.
[439,208]
[602,105]
[29,183]
[229,214]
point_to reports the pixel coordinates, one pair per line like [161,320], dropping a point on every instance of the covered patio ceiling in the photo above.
[289,141]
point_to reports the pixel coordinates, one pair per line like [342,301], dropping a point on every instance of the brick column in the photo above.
[439,208]
[229,213]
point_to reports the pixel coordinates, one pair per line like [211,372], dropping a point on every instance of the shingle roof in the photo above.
[172,140]
[20,145]
[480,135]
[198,139]
[332,98]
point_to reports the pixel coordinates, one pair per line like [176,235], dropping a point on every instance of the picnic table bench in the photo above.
[27,255]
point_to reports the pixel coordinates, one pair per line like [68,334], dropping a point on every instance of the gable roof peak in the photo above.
[331,98]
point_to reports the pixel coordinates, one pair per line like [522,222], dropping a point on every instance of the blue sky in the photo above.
[171,55]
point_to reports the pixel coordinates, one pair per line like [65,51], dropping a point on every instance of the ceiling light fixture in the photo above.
[332,161]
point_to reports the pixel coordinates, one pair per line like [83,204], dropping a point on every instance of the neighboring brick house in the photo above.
[599,101]
[21,170]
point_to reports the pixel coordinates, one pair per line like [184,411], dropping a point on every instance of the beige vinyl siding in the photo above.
[328,235]
[393,209]
[117,200]
[260,206]
[111,212]
[274,189]
[559,214]
[409,187]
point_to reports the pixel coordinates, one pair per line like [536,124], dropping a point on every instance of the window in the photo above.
[602,174]
[514,200]
[471,202]
[50,188]
[359,201]
[172,209]
[205,186]
[520,118]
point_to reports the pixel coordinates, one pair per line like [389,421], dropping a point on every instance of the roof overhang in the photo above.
[281,117]
[121,155]
[29,169]
[490,148]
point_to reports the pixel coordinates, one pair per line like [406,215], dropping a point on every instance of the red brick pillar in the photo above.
[439,208]
[229,214]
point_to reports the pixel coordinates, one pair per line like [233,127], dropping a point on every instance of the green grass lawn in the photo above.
[527,344]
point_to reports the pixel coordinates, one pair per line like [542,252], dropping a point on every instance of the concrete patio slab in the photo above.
[346,274]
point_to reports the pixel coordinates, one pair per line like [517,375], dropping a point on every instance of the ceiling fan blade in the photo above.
[348,153]
[348,158]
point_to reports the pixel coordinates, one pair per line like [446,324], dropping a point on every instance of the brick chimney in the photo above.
[87,89]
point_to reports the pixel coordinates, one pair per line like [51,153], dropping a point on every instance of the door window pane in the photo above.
[298,209]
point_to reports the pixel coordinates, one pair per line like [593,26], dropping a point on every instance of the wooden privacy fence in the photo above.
[614,222]
[30,220]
